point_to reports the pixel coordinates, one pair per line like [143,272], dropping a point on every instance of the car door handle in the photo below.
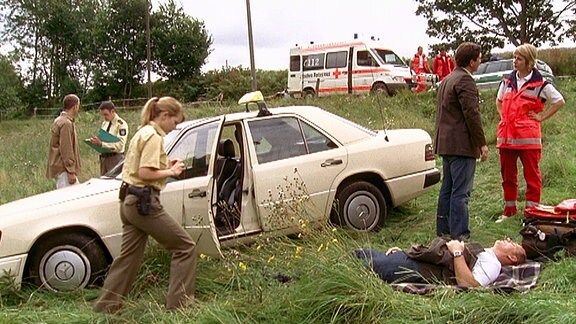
[197,193]
[330,162]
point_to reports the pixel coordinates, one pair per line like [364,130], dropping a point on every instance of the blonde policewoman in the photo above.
[144,175]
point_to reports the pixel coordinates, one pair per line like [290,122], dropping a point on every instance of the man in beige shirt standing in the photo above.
[63,155]
[116,126]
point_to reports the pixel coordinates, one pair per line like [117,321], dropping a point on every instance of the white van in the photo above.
[346,67]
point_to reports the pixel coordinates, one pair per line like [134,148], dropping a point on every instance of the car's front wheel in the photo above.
[380,88]
[67,262]
[361,206]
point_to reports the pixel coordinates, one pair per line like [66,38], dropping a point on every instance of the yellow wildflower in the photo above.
[242,266]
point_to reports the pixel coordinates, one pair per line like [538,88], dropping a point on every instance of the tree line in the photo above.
[494,24]
[96,48]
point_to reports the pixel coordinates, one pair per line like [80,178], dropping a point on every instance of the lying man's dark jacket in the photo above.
[435,261]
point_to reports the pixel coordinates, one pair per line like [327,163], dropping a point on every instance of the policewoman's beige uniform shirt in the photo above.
[119,128]
[146,150]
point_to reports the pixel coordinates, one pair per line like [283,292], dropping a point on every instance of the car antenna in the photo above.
[378,100]
[383,121]
[380,104]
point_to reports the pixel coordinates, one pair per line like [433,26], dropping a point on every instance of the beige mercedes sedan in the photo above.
[262,171]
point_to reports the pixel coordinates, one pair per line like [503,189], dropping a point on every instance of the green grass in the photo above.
[327,285]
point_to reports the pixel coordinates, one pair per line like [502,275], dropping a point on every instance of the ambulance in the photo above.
[346,67]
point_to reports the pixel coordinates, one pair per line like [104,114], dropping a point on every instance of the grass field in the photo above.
[325,283]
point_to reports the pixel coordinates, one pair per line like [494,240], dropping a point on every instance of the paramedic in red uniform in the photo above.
[420,66]
[443,64]
[522,98]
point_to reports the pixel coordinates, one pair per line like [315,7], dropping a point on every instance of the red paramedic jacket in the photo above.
[516,129]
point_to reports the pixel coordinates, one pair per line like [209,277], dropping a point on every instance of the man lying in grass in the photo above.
[442,261]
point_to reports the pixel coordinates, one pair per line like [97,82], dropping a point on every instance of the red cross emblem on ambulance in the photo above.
[337,73]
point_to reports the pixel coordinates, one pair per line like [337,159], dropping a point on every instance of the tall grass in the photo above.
[314,278]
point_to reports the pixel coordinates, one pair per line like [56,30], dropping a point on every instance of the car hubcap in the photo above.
[362,211]
[65,268]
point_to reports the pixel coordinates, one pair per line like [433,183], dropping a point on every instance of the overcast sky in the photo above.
[280,24]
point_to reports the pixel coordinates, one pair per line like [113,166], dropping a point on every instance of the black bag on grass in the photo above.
[549,229]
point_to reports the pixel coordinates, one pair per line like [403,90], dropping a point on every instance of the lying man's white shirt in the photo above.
[487,268]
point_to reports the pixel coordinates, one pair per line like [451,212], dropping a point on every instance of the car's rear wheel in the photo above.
[67,262]
[308,93]
[361,206]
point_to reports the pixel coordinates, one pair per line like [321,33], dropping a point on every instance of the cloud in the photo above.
[279,25]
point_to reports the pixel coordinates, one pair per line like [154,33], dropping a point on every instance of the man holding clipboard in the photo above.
[111,140]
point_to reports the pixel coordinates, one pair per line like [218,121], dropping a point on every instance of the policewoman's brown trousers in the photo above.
[125,267]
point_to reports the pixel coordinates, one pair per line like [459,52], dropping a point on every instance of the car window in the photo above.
[481,68]
[336,59]
[316,141]
[277,138]
[313,62]
[508,66]
[285,137]
[295,63]
[493,67]
[363,58]
[389,57]
[195,149]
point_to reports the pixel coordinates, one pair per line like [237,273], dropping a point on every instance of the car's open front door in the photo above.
[190,196]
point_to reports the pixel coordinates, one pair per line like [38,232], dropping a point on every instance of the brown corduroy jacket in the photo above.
[63,154]
[458,122]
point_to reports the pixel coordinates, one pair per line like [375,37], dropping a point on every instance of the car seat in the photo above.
[226,164]
[228,186]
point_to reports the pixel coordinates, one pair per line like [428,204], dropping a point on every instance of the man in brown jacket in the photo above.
[459,140]
[63,156]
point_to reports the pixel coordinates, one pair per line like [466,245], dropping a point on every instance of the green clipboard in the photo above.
[106,137]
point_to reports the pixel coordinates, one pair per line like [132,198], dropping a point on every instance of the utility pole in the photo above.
[251,45]
[148,64]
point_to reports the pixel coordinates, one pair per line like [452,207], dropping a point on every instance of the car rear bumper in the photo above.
[402,189]
[431,178]
[13,266]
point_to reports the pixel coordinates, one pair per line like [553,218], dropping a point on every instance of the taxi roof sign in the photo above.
[257,98]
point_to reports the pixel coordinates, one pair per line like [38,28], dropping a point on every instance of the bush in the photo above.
[233,82]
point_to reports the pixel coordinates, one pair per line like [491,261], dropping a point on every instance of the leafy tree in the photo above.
[495,23]
[10,87]
[180,43]
[49,34]
[121,44]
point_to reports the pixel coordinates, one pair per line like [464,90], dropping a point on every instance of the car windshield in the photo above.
[388,57]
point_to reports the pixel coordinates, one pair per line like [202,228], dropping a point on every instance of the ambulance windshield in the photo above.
[389,57]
